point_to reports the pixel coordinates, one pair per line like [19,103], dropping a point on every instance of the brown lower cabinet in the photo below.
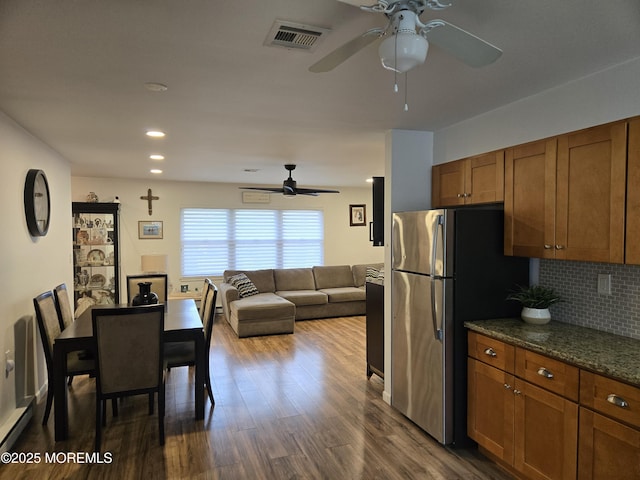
[528,429]
[540,418]
[608,449]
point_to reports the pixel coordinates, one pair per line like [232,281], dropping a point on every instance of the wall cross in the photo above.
[149,198]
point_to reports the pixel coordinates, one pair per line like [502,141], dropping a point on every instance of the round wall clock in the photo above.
[37,205]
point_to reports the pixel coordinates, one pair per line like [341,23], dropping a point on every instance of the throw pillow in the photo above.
[245,286]
[372,273]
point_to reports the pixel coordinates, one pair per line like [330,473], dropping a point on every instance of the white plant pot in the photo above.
[535,316]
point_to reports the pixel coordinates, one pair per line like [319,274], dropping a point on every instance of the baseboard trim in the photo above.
[23,415]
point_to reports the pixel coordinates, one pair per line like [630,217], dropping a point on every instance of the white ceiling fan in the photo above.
[407,38]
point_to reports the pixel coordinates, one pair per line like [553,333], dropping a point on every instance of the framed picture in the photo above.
[357,215]
[150,230]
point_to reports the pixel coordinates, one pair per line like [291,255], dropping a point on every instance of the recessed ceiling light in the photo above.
[156,171]
[156,157]
[155,133]
[155,87]
[369,180]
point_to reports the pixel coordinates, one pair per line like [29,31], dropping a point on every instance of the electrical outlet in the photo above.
[604,284]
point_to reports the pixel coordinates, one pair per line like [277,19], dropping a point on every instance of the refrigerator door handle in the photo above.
[434,243]
[437,332]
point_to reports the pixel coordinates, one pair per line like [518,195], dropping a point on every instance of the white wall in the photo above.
[606,96]
[343,244]
[29,266]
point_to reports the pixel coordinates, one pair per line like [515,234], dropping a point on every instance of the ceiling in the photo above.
[73,74]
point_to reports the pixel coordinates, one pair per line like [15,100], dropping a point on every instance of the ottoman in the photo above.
[262,314]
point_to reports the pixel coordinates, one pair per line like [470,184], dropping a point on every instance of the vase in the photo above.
[145,296]
[535,316]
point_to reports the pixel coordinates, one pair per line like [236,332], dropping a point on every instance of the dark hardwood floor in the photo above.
[287,406]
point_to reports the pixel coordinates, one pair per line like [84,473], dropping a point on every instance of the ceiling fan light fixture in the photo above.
[411,50]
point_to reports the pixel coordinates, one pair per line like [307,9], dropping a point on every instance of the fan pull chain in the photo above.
[395,65]
[406,87]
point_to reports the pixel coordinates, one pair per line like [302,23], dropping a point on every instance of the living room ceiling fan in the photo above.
[290,188]
[406,38]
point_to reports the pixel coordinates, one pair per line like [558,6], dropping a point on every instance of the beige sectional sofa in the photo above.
[289,294]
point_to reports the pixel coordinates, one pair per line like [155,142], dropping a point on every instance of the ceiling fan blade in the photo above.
[313,191]
[342,53]
[463,45]
[265,189]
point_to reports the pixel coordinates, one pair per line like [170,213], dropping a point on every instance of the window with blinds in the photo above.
[214,240]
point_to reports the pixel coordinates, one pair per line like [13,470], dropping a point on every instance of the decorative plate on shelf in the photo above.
[82,237]
[97,281]
[95,257]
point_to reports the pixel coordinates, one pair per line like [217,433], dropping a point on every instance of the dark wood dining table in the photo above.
[182,323]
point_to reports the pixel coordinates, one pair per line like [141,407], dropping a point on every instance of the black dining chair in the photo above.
[66,317]
[129,358]
[183,354]
[205,291]
[63,306]
[159,285]
[49,326]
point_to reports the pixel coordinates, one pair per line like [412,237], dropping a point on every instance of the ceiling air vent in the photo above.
[294,35]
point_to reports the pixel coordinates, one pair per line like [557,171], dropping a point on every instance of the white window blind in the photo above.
[214,240]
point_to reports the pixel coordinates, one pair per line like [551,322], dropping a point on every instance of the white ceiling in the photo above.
[72,73]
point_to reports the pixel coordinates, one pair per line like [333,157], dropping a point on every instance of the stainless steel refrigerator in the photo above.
[447,268]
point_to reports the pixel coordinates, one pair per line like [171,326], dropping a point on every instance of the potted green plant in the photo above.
[535,300]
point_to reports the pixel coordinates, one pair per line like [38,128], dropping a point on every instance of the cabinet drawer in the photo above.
[550,374]
[610,397]
[491,351]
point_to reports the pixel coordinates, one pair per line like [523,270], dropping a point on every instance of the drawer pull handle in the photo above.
[507,386]
[516,391]
[617,401]
[490,351]
[547,246]
[543,372]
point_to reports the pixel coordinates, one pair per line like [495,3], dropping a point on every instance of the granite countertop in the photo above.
[601,352]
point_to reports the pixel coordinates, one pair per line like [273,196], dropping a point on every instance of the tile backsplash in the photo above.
[577,282]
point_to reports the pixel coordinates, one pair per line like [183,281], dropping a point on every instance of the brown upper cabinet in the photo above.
[633,194]
[565,196]
[473,180]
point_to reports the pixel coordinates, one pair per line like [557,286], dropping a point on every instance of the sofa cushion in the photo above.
[304,297]
[263,306]
[294,279]
[333,277]
[345,294]
[262,279]
[245,287]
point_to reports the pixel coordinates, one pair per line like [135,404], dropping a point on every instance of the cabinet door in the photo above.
[607,449]
[546,433]
[448,184]
[529,199]
[590,198]
[490,409]
[633,194]
[484,178]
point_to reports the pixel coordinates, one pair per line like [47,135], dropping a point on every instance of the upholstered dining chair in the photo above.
[63,306]
[205,291]
[49,326]
[159,285]
[183,354]
[65,315]
[129,358]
